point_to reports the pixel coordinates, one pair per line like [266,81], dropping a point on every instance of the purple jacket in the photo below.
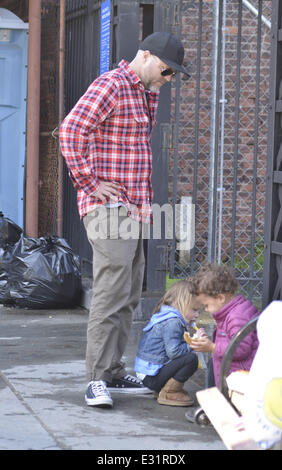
[229,320]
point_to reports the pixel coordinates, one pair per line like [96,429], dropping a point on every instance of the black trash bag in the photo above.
[5,262]
[9,231]
[40,273]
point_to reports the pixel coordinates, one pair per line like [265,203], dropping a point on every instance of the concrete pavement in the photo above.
[42,386]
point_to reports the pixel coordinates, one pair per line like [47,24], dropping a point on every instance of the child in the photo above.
[216,290]
[164,359]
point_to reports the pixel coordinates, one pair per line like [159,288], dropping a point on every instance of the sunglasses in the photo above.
[167,72]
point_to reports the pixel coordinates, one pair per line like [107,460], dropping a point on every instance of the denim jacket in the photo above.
[162,341]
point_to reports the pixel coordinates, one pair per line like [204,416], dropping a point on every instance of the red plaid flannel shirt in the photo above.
[106,137]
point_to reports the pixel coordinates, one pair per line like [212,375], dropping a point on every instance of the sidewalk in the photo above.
[42,386]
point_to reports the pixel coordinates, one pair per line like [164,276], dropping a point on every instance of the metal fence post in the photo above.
[214,131]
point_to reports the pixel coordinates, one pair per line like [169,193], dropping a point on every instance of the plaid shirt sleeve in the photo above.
[93,108]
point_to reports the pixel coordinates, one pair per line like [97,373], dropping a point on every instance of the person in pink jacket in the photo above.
[216,288]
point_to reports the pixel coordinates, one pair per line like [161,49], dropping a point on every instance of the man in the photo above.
[105,140]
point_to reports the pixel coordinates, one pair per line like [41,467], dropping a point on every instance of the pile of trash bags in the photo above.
[37,273]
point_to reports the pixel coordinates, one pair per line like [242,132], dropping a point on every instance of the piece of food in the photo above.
[189,338]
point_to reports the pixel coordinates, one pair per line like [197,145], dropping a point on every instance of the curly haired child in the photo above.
[215,288]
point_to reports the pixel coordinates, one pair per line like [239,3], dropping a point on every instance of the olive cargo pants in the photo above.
[118,270]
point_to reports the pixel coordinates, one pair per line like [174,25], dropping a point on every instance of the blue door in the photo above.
[13,93]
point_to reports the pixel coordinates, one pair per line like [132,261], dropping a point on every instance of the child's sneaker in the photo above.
[97,394]
[197,415]
[127,384]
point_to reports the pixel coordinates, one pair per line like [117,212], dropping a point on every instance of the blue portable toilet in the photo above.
[13,95]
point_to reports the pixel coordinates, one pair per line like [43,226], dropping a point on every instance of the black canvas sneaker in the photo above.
[97,394]
[127,384]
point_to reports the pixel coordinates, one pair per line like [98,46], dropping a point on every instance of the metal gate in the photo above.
[131,21]
[210,145]
[273,229]
[220,138]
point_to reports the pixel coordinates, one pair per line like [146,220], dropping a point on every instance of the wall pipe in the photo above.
[33,119]
[61,115]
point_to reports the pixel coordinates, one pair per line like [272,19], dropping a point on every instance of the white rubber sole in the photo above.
[130,391]
[102,402]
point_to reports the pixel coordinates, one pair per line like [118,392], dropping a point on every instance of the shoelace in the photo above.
[132,379]
[99,388]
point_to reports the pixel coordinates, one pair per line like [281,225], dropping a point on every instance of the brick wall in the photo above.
[49,118]
[247,180]
[18,7]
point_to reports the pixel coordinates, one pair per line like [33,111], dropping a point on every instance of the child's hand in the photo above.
[201,333]
[203,344]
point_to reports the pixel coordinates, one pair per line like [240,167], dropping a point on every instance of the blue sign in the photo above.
[105,34]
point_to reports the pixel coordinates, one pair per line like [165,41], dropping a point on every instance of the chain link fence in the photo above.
[220,136]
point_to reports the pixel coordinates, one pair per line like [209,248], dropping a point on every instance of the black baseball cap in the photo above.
[166,47]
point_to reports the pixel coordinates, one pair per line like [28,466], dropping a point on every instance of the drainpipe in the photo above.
[33,119]
[61,116]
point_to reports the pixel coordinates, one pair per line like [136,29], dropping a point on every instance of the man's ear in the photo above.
[146,55]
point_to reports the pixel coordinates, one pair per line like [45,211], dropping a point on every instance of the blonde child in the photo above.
[164,360]
[215,288]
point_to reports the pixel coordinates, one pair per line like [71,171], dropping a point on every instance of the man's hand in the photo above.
[108,192]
